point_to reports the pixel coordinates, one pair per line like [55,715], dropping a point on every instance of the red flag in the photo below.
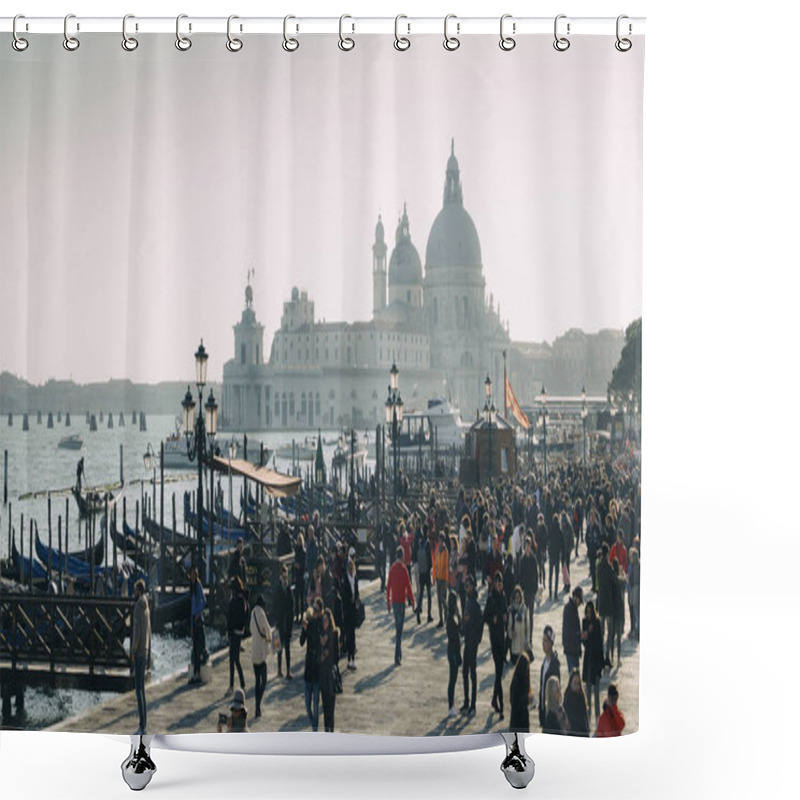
[511,401]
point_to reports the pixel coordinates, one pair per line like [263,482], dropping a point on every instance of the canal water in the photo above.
[36,464]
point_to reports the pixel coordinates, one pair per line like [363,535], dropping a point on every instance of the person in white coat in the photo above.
[261,648]
[517,628]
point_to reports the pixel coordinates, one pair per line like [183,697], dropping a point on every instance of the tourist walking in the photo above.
[424,567]
[634,579]
[568,541]
[299,577]
[529,579]
[555,720]
[473,633]
[398,588]
[310,637]
[571,629]
[495,615]
[520,694]
[517,630]
[619,609]
[237,619]
[593,661]
[611,722]
[441,574]
[605,599]
[551,668]
[284,621]
[199,653]
[351,601]
[575,705]
[328,665]
[140,649]
[453,650]
[555,546]
[237,567]
[260,647]
[593,542]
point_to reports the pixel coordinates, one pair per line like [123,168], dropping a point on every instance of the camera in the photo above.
[223,719]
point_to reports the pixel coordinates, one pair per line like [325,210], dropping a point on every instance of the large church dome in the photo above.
[453,240]
[405,267]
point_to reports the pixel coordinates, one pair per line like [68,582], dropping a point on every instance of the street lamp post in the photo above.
[584,415]
[488,416]
[394,417]
[232,450]
[613,414]
[200,432]
[352,460]
[543,398]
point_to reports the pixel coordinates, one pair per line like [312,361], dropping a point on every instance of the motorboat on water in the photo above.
[350,447]
[73,442]
[298,451]
[439,424]
[176,452]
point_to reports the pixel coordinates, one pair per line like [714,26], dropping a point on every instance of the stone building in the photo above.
[437,325]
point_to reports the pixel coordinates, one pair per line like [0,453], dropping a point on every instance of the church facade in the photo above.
[436,325]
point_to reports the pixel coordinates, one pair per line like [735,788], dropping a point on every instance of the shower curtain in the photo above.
[416,277]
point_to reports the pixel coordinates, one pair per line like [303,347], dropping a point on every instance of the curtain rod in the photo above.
[407,25]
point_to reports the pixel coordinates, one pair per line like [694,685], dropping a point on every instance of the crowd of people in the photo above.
[493,559]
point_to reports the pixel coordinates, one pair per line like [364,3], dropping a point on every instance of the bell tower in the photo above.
[379,269]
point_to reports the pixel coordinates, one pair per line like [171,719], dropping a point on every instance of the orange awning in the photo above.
[276,483]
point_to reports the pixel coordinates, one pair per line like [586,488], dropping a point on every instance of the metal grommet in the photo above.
[401,43]
[507,42]
[451,42]
[129,43]
[289,44]
[346,43]
[17,42]
[183,43]
[561,43]
[70,43]
[623,45]
[233,44]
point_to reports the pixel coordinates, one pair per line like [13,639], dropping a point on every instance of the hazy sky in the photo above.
[137,189]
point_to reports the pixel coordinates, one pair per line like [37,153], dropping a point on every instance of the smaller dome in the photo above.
[295,294]
[405,265]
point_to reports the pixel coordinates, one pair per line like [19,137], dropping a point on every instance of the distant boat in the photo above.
[298,451]
[343,452]
[73,442]
[417,428]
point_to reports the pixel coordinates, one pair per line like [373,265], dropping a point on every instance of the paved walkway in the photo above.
[378,698]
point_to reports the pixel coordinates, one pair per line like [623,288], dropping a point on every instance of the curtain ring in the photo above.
[623,45]
[18,43]
[346,43]
[233,44]
[507,42]
[129,43]
[451,42]
[401,42]
[70,42]
[290,44]
[182,42]
[561,43]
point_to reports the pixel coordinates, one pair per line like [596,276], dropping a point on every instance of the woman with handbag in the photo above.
[261,647]
[328,667]
[351,602]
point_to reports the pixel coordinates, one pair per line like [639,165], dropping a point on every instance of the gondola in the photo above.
[73,563]
[95,501]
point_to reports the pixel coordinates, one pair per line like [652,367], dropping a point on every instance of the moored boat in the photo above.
[73,442]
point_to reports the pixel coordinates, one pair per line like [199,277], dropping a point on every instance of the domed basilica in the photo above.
[437,325]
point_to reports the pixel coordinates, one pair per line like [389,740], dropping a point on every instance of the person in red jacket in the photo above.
[620,552]
[398,588]
[611,721]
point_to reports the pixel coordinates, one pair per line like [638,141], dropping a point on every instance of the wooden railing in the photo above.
[86,633]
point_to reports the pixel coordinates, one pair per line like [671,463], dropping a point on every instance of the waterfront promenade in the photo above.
[378,698]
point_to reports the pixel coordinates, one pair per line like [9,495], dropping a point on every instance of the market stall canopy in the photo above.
[276,483]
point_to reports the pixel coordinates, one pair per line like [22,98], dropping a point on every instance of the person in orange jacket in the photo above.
[441,574]
[611,721]
[398,588]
